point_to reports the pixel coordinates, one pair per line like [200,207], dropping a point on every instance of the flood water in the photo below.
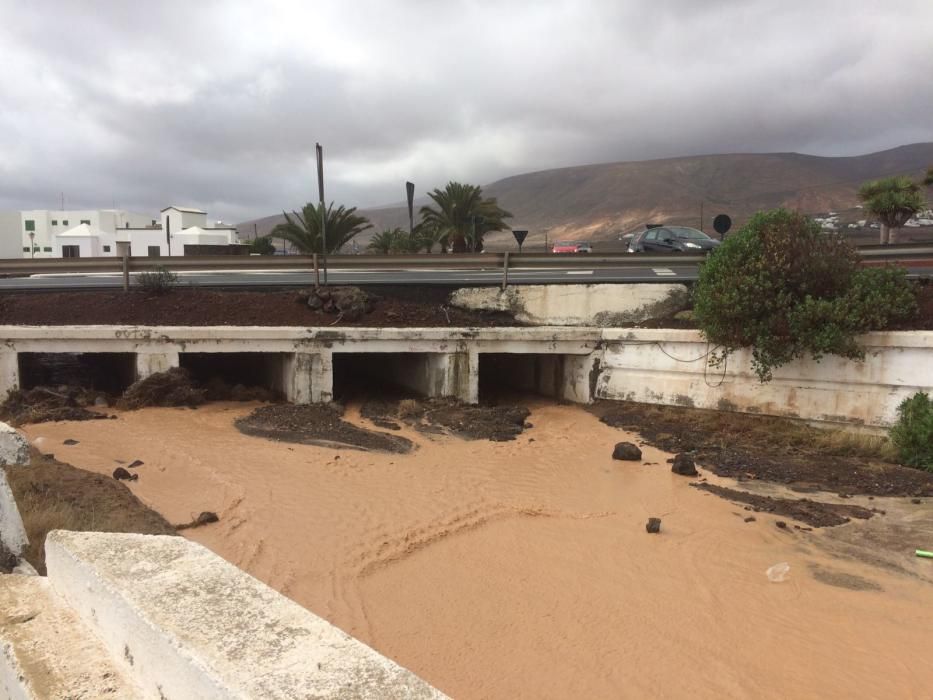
[523,569]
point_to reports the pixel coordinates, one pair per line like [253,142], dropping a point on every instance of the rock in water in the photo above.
[121,474]
[626,451]
[683,465]
[653,525]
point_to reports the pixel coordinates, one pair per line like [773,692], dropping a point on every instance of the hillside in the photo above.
[598,202]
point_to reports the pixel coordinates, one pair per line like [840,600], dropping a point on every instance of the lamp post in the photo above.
[32,244]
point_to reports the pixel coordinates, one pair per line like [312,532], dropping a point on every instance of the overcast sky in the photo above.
[219,104]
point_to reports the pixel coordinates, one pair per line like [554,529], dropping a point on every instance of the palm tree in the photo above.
[461,217]
[893,201]
[303,229]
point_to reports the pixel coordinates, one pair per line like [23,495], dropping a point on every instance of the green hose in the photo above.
[925,555]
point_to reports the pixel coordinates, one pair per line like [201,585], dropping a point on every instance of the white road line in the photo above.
[663,272]
[579,272]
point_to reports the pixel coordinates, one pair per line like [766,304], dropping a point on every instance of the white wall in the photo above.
[10,237]
[49,222]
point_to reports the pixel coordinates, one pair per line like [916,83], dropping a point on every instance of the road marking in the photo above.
[663,272]
[579,272]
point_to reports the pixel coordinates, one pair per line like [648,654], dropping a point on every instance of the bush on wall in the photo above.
[784,288]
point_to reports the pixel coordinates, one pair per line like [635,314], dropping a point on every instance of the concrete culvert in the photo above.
[553,375]
[236,376]
[107,372]
[390,375]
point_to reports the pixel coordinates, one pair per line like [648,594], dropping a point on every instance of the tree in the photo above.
[461,217]
[262,245]
[893,200]
[928,180]
[394,241]
[303,230]
[785,289]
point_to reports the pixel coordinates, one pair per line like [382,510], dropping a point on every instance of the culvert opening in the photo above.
[236,375]
[108,372]
[388,375]
[505,375]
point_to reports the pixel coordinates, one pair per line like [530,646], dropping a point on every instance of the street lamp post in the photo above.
[32,244]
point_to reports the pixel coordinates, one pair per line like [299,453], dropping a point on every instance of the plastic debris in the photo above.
[778,572]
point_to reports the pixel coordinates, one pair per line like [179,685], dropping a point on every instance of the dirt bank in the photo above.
[522,569]
[317,425]
[393,306]
[449,417]
[52,495]
[771,449]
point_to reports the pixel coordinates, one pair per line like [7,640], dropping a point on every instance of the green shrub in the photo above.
[262,245]
[158,281]
[786,289]
[912,435]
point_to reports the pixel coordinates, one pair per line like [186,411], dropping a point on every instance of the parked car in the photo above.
[572,247]
[671,239]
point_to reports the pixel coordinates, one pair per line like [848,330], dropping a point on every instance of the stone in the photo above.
[121,474]
[653,525]
[683,464]
[626,451]
[315,303]
[781,524]
[70,441]
[750,519]
[135,463]
[101,402]
[351,302]
[14,448]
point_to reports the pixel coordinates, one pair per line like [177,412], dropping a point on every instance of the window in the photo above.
[64,222]
[54,222]
[71,251]
[106,248]
[47,249]
[30,225]
[154,251]
[86,221]
[25,248]
[652,235]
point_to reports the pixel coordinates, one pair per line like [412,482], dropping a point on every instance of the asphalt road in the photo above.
[617,275]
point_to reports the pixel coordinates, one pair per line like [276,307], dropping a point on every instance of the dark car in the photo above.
[671,239]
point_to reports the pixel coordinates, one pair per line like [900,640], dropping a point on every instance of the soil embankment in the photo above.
[191,306]
[522,569]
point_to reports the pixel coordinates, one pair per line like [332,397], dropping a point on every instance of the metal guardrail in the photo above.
[497,261]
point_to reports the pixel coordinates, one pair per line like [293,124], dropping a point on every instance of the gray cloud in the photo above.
[219,104]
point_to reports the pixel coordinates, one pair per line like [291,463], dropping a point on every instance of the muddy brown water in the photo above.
[523,570]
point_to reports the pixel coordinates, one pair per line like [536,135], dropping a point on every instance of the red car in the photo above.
[572,247]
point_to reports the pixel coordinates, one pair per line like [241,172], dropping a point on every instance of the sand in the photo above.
[523,569]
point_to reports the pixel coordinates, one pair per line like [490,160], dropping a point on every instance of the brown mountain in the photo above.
[599,202]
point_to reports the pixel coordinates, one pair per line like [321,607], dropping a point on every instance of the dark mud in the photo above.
[812,513]
[450,417]
[317,425]
[748,447]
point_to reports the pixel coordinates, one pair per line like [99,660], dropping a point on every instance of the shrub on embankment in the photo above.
[912,435]
[784,288]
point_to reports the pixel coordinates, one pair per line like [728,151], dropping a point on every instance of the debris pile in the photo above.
[172,388]
[44,404]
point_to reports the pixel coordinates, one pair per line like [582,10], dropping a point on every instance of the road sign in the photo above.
[722,223]
[519,237]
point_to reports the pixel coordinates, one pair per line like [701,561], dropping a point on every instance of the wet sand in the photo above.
[523,569]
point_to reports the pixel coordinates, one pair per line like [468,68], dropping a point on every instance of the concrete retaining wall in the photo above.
[598,305]
[671,367]
[12,533]
[576,364]
[181,622]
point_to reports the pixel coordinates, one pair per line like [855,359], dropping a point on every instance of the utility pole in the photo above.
[320,186]
[701,214]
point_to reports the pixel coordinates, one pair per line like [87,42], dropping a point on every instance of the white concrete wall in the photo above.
[671,367]
[183,623]
[106,220]
[601,305]
[12,532]
[11,246]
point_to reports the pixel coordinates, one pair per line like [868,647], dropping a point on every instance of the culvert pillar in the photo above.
[9,372]
[149,363]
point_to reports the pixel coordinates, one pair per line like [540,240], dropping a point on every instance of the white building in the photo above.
[41,226]
[95,233]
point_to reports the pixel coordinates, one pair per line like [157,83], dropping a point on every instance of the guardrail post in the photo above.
[317,272]
[505,270]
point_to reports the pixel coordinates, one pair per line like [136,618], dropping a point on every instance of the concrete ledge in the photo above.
[14,448]
[12,533]
[46,652]
[182,622]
